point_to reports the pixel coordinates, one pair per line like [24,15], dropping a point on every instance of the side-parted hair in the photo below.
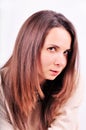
[20,81]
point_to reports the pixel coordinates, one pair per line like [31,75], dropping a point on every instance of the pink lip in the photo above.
[54,72]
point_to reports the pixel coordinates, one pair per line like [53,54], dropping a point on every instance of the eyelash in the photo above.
[67,52]
[52,49]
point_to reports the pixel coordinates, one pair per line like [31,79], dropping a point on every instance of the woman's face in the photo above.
[53,57]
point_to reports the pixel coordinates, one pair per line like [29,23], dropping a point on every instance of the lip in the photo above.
[54,72]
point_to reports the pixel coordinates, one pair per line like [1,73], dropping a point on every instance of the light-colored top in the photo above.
[68,120]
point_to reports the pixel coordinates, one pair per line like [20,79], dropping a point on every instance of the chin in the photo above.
[52,78]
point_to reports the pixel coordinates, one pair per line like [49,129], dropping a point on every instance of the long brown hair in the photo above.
[20,82]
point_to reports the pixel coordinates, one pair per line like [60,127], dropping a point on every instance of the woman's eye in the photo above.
[52,49]
[67,52]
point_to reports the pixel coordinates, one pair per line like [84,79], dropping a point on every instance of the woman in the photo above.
[39,87]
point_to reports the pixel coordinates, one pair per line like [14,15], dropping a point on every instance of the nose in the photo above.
[60,60]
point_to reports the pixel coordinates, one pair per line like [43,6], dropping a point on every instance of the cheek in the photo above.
[45,60]
[65,63]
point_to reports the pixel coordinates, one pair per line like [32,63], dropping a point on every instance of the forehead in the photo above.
[59,36]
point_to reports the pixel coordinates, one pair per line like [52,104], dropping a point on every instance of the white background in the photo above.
[14,12]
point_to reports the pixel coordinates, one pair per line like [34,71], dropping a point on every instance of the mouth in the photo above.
[54,72]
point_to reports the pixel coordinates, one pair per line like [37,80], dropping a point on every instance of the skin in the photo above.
[53,57]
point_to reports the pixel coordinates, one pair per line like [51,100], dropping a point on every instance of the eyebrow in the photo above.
[58,46]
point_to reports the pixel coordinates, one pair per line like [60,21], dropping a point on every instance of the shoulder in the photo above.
[68,118]
[4,120]
[4,125]
[77,97]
